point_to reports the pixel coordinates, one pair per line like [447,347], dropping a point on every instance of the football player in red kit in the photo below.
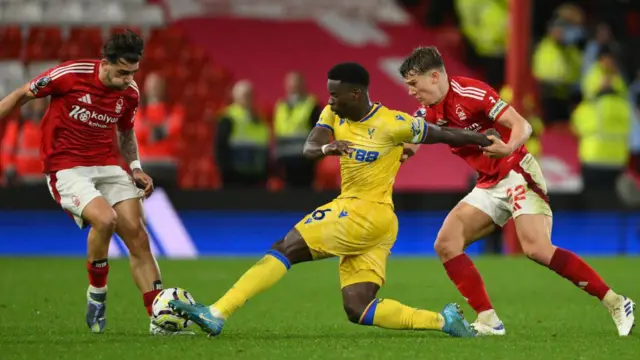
[510,184]
[91,101]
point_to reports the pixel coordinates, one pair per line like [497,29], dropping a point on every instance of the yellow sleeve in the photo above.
[327,118]
[409,129]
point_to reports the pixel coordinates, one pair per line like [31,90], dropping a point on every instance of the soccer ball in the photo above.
[162,314]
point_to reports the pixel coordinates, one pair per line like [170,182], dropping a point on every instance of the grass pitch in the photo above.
[43,303]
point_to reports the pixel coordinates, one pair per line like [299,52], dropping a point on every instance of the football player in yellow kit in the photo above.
[360,226]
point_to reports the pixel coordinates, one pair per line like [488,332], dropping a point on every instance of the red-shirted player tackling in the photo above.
[510,184]
[90,102]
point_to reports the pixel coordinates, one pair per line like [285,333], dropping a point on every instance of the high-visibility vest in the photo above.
[249,140]
[603,125]
[291,124]
[556,64]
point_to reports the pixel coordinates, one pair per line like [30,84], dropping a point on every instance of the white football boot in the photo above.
[488,324]
[623,315]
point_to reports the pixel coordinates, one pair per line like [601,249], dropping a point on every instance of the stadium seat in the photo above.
[43,43]
[104,13]
[36,68]
[63,12]
[121,29]
[11,40]
[92,35]
[23,13]
[327,174]
[12,71]
[146,16]
[4,90]
[133,3]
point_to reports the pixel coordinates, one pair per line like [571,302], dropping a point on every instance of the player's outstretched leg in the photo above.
[464,225]
[363,308]
[262,276]
[102,219]
[144,267]
[534,232]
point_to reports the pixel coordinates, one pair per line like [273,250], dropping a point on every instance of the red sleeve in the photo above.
[128,118]
[54,81]
[484,98]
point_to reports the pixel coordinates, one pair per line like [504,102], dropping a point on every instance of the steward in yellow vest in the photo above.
[293,118]
[242,146]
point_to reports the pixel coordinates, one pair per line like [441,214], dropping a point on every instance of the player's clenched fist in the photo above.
[143,181]
[338,148]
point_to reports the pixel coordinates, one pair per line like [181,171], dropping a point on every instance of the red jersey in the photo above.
[473,105]
[79,127]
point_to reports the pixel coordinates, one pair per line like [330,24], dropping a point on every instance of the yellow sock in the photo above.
[390,314]
[263,275]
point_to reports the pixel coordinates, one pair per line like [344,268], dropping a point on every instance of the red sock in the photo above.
[148,298]
[571,267]
[98,271]
[469,282]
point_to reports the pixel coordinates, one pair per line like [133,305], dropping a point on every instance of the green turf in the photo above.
[43,303]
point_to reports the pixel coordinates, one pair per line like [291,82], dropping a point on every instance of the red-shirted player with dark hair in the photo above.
[91,101]
[510,184]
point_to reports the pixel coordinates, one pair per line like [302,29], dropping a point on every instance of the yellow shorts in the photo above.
[360,232]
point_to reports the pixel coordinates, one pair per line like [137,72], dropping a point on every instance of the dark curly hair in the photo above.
[128,46]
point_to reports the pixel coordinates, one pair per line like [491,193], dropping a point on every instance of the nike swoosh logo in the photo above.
[205,319]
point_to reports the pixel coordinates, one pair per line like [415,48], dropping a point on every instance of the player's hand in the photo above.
[408,150]
[143,181]
[498,149]
[339,148]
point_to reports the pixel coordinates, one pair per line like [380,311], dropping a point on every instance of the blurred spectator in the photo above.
[628,185]
[556,66]
[483,23]
[158,127]
[294,117]
[602,122]
[634,94]
[574,24]
[603,37]
[602,75]
[242,141]
[20,147]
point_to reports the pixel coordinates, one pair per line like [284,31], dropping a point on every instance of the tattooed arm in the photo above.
[128,145]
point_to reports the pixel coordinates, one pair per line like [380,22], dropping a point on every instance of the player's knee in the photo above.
[447,247]
[293,247]
[105,222]
[354,310]
[538,251]
[138,245]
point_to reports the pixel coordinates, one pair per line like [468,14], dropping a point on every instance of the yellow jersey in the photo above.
[369,172]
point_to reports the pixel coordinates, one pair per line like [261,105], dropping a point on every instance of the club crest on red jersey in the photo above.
[460,112]
[119,105]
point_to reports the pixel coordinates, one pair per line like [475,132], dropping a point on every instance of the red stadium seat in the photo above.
[43,43]
[11,40]
[328,174]
[121,29]
[86,34]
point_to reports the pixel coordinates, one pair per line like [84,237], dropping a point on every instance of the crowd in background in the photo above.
[585,81]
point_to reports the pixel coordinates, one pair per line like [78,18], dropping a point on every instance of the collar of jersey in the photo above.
[374,109]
